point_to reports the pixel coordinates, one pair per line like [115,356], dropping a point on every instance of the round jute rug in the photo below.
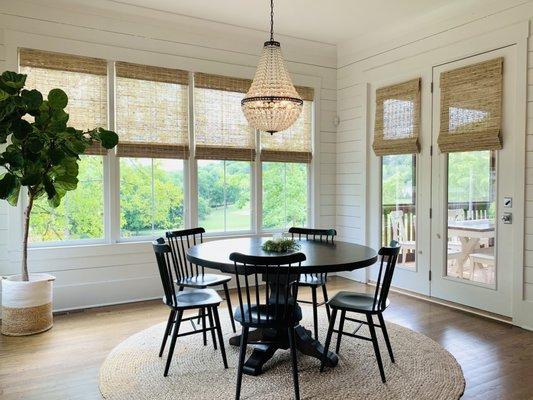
[423,369]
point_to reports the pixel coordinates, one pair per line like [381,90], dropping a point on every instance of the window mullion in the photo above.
[191,184]
[111,167]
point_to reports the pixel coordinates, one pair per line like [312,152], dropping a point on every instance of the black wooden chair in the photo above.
[278,310]
[191,275]
[368,304]
[314,281]
[180,301]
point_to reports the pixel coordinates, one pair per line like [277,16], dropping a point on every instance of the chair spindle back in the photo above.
[179,242]
[282,272]
[387,264]
[163,256]
[317,235]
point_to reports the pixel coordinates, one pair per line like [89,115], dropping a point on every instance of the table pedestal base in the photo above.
[278,339]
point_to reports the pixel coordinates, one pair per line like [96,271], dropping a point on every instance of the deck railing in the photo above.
[475,210]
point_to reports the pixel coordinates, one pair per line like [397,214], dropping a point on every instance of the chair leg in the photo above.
[212,326]
[230,310]
[242,354]
[220,338]
[326,299]
[315,311]
[341,327]
[294,360]
[204,333]
[173,342]
[376,346]
[328,338]
[168,329]
[386,335]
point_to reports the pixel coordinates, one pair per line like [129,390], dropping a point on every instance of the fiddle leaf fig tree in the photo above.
[40,152]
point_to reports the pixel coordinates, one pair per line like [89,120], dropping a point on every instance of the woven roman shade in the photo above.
[221,131]
[471,107]
[151,111]
[83,79]
[397,122]
[293,144]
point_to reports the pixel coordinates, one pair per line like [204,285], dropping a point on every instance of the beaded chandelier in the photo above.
[272,103]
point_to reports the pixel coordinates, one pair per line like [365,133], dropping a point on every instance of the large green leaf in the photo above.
[13,156]
[13,197]
[32,99]
[12,82]
[66,182]
[21,128]
[3,95]
[35,143]
[109,139]
[57,99]
[8,183]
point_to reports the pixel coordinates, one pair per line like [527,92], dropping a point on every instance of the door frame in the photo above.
[454,46]
[497,298]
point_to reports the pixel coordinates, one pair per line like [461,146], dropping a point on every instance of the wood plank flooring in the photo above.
[63,363]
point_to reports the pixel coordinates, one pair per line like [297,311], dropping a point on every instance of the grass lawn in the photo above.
[237,219]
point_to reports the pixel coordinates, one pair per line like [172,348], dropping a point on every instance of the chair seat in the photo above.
[196,298]
[312,280]
[202,281]
[356,302]
[259,316]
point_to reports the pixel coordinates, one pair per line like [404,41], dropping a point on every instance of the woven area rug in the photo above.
[423,369]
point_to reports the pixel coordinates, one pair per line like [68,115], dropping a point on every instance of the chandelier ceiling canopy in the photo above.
[272,104]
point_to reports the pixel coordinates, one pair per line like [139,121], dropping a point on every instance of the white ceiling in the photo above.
[328,21]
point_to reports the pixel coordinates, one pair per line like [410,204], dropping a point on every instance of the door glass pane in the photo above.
[398,205]
[471,216]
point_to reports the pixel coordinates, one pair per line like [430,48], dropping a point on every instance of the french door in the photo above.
[471,226]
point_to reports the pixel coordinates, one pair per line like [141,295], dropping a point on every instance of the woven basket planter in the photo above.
[26,306]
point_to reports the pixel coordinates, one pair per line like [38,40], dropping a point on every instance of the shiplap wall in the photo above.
[353,131]
[115,273]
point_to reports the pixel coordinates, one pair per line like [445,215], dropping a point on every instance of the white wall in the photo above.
[112,273]
[358,62]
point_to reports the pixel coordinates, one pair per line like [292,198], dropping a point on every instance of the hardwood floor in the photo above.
[63,363]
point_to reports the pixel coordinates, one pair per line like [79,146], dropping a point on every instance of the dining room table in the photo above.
[321,258]
[470,232]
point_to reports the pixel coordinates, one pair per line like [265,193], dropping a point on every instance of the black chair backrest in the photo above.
[321,235]
[163,256]
[179,242]
[281,271]
[318,235]
[387,263]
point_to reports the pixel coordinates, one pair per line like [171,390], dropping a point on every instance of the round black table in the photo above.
[321,258]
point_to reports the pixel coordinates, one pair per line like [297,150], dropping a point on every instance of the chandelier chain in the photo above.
[271,20]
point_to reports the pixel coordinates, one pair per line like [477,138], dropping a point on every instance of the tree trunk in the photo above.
[26,229]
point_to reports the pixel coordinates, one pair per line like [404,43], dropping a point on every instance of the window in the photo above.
[85,82]
[285,157]
[72,220]
[151,196]
[398,205]
[284,195]
[152,123]
[225,147]
[240,175]
[224,195]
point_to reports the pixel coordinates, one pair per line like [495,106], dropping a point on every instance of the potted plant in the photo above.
[40,152]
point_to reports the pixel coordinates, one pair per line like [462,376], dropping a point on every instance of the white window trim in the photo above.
[111,162]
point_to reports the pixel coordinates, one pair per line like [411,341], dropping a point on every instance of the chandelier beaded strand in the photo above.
[272,104]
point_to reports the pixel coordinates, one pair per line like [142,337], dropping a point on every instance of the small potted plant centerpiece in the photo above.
[38,152]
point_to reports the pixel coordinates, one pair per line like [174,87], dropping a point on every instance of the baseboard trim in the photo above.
[451,304]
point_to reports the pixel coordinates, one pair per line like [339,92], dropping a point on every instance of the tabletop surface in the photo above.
[481,225]
[321,257]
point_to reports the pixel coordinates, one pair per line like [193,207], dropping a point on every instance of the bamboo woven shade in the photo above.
[471,107]
[83,79]
[293,144]
[151,111]
[397,122]
[221,130]
[306,93]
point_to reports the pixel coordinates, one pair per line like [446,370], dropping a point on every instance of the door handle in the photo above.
[507,218]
